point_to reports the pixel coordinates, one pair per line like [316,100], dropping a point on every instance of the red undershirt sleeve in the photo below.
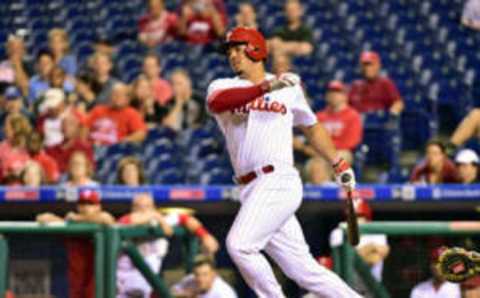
[231,98]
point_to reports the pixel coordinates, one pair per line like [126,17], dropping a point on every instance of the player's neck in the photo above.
[256,76]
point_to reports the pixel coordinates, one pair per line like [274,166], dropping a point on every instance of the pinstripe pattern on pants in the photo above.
[266,221]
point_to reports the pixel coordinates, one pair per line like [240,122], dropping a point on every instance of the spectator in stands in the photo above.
[204,282]
[144,212]
[48,163]
[436,286]
[158,25]
[59,80]
[246,16]
[162,90]
[40,82]
[374,92]
[467,166]
[281,64]
[96,87]
[80,171]
[295,38]
[343,124]
[202,21]
[144,101]
[52,112]
[13,104]
[80,253]
[130,172]
[117,121]
[471,14]
[32,175]
[436,168]
[18,67]
[187,110]
[60,47]
[73,140]
[13,150]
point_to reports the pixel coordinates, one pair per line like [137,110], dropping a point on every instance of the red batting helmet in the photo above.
[256,44]
[363,209]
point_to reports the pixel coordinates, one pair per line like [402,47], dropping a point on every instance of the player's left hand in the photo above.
[344,175]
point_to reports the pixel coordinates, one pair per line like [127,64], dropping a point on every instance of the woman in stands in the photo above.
[13,151]
[60,47]
[144,101]
[436,168]
[80,170]
[32,175]
[130,172]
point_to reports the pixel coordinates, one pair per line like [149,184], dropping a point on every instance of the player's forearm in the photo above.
[228,99]
[321,142]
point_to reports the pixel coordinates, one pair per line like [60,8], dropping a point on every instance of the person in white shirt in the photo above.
[436,287]
[203,283]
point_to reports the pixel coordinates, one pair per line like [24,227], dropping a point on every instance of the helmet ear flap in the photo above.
[252,52]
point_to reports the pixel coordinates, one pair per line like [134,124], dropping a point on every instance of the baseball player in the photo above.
[129,280]
[256,112]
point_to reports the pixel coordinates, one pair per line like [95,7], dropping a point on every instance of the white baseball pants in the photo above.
[266,221]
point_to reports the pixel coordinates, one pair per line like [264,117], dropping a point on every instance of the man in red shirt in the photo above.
[374,92]
[116,122]
[80,251]
[72,142]
[158,25]
[202,21]
[344,125]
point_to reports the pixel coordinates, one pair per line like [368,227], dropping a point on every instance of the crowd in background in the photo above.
[55,112]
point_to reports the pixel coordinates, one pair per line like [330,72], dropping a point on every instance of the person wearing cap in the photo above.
[436,286]
[204,282]
[80,253]
[374,92]
[18,67]
[143,211]
[158,25]
[52,109]
[294,38]
[13,104]
[436,167]
[116,122]
[467,166]
[344,125]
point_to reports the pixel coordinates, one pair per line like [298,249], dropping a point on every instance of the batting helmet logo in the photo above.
[256,45]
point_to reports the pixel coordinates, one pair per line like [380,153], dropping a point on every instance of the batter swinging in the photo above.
[256,112]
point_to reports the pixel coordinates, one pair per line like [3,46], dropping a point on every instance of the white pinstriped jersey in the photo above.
[261,132]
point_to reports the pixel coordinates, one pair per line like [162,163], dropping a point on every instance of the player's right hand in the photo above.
[344,174]
[287,79]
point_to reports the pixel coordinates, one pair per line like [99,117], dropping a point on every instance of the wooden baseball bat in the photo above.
[352,223]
